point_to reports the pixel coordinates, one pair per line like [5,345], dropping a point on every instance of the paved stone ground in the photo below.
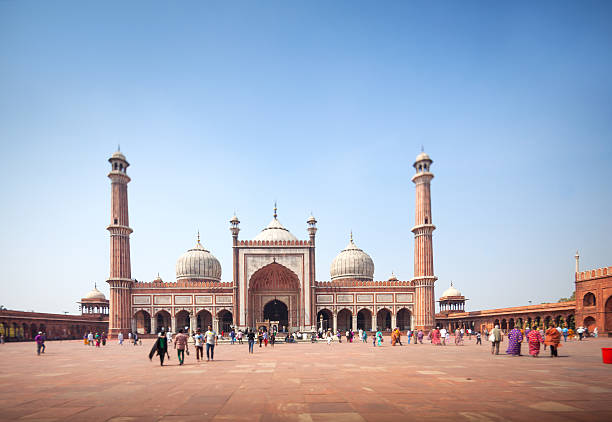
[305,382]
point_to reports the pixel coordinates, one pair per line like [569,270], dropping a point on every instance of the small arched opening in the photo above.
[345,320]
[383,320]
[364,320]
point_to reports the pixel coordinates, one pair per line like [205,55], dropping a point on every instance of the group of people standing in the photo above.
[97,339]
[181,345]
[534,338]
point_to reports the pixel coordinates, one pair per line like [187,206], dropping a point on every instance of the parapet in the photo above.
[182,283]
[365,283]
[274,243]
[592,274]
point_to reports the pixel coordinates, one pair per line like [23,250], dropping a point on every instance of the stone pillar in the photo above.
[153,325]
[355,322]
[173,323]
[193,322]
[134,326]
[373,328]
[393,321]
[335,322]
[215,324]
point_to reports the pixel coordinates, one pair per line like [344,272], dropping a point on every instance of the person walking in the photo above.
[443,336]
[120,338]
[565,333]
[420,336]
[180,344]
[251,339]
[478,338]
[160,347]
[40,342]
[90,339]
[265,338]
[233,336]
[553,339]
[514,342]
[379,338]
[435,337]
[534,338]
[496,339]
[580,332]
[329,337]
[239,336]
[198,340]
[211,341]
[365,336]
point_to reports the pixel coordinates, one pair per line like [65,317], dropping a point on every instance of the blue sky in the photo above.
[321,106]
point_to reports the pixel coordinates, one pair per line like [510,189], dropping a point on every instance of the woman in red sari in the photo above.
[435,336]
[535,338]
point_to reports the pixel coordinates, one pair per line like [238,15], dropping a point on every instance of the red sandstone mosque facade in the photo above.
[273,278]
[273,283]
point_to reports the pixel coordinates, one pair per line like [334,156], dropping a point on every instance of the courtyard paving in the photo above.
[305,382]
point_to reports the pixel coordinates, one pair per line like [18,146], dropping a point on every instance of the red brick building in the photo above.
[594,298]
[272,280]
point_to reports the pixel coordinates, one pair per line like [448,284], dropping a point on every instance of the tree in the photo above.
[568,299]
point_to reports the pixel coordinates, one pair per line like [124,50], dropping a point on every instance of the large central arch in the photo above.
[270,287]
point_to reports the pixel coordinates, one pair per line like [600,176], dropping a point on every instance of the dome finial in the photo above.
[351,235]
[275,209]
[451,283]
[198,243]
[422,148]
[95,285]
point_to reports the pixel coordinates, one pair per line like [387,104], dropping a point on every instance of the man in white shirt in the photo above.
[211,340]
[443,336]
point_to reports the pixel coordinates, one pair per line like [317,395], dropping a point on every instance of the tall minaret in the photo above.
[235,229]
[424,279]
[120,278]
[577,258]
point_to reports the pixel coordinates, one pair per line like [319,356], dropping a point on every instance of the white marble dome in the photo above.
[451,291]
[352,262]
[422,157]
[95,294]
[275,231]
[198,264]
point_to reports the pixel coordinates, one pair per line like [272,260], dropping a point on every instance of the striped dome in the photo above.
[352,262]
[199,265]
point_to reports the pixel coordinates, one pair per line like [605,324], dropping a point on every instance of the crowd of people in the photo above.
[535,337]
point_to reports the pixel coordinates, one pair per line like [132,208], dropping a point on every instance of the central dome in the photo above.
[198,264]
[352,262]
[275,231]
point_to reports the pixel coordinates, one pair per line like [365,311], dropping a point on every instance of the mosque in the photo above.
[273,285]
[272,282]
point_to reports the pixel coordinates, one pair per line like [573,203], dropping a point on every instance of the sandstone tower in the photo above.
[424,279]
[120,279]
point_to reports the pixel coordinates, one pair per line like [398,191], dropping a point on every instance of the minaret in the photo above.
[312,231]
[235,229]
[120,279]
[424,279]
[577,256]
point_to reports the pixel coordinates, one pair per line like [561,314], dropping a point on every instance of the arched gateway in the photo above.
[274,292]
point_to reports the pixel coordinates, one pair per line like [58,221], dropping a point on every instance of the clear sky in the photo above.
[322,106]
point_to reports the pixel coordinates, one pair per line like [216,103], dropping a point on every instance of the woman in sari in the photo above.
[534,339]
[435,336]
[514,342]
[379,338]
[393,338]
[553,339]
